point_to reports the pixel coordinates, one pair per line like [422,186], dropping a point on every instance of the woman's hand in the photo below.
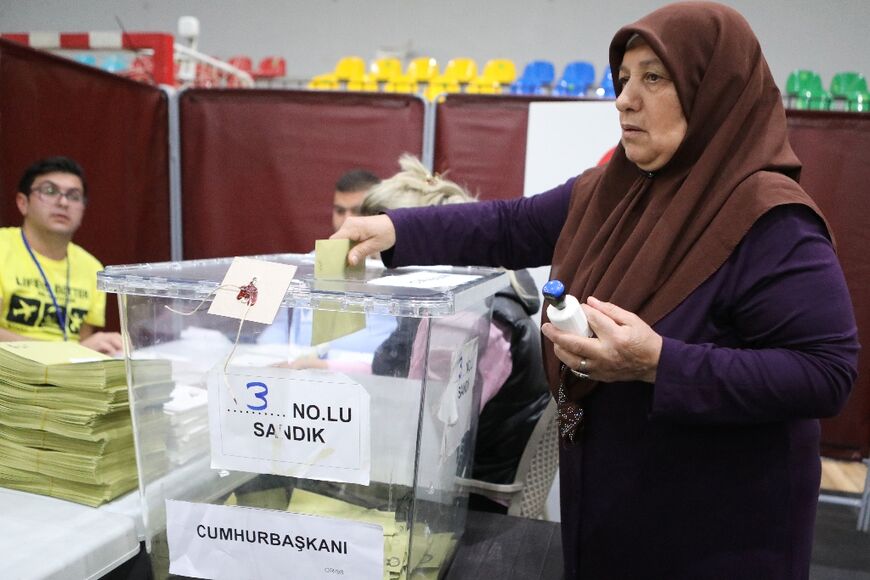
[372,234]
[624,348]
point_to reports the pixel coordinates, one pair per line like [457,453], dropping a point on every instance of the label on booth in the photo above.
[301,423]
[230,542]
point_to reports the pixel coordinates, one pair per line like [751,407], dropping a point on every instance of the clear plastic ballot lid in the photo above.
[411,291]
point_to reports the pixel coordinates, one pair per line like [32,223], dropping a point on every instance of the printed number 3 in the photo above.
[264,390]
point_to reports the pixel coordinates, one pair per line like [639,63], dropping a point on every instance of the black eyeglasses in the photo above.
[49,192]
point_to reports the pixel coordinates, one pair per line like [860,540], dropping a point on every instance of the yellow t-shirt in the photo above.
[27,308]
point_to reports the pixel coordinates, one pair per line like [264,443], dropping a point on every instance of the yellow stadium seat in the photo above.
[484,86]
[401,84]
[350,68]
[385,69]
[441,85]
[501,70]
[367,83]
[423,69]
[461,70]
[324,82]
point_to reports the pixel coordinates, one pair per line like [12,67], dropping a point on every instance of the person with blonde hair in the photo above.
[515,389]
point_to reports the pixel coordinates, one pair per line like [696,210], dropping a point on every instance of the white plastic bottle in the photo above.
[564,310]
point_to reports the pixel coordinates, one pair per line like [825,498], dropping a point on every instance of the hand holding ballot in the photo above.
[372,234]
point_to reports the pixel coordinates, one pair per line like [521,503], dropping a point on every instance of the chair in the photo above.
[243,63]
[605,90]
[367,83]
[350,69]
[576,79]
[87,59]
[401,84]
[271,67]
[804,90]
[385,69]
[858,102]
[423,69]
[483,85]
[850,88]
[527,495]
[462,70]
[113,63]
[537,78]
[442,85]
[501,70]
[324,82]
[845,83]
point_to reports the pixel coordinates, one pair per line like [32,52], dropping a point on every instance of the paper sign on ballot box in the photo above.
[233,543]
[309,424]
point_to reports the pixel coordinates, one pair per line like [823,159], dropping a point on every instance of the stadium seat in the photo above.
[804,90]
[401,84]
[242,63]
[605,89]
[501,70]
[576,79]
[350,69]
[324,82]
[113,63]
[537,78]
[845,83]
[442,85]
[385,69]
[858,102]
[850,89]
[271,67]
[483,85]
[462,70]
[368,83]
[87,59]
[423,69]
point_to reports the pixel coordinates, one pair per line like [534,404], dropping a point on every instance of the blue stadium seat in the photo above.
[87,59]
[537,77]
[576,79]
[605,89]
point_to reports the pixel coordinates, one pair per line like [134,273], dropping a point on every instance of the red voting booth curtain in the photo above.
[481,140]
[834,149]
[259,166]
[115,128]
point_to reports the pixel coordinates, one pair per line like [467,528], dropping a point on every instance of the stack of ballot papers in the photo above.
[65,427]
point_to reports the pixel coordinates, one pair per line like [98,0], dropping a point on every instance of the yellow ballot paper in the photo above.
[330,262]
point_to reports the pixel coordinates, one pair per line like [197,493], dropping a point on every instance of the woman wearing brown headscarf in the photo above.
[689,422]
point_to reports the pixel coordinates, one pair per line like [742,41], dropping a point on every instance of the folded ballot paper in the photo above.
[428,551]
[65,427]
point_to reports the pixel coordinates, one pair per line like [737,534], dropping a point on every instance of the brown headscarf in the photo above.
[645,242]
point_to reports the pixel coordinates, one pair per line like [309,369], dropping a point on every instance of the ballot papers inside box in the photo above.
[332,437]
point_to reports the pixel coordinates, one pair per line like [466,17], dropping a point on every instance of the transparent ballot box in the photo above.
[328,441]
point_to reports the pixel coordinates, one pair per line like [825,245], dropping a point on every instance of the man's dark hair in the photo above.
[356,180]
[51,165]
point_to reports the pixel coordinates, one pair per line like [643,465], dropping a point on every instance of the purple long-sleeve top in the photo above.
[713,471]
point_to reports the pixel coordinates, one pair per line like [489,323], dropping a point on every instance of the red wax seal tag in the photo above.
[248,293]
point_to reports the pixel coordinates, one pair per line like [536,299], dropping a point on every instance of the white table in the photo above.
[47,538]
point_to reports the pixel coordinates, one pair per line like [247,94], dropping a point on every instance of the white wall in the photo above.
[824,35]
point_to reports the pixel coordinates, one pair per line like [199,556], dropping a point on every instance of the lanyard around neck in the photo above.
[61,315]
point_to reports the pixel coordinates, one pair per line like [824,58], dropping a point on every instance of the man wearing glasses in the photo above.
[48,285]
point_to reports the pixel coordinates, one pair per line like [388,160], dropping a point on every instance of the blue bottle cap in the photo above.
[554,291]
